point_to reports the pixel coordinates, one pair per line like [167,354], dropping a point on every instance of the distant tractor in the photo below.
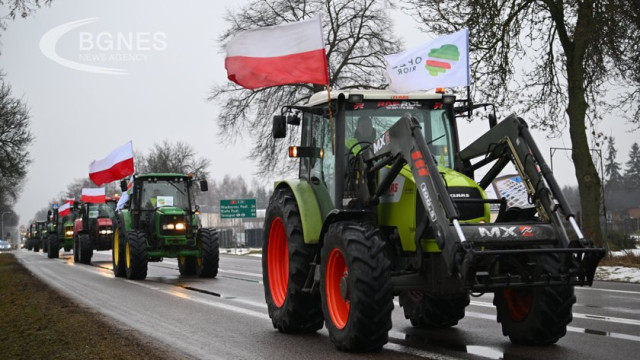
[60,233]
[160,220]
[93,229]
[31,235]
[39,236]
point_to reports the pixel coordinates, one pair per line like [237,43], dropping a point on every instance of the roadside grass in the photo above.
[629,259]
[36,322]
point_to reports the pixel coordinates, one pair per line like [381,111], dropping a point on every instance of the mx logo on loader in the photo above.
[498,231]
[381,142]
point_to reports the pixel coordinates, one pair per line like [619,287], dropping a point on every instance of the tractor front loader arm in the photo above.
[404,144]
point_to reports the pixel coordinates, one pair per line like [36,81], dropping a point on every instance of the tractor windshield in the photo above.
[101,211]
[367,123]
[165,193]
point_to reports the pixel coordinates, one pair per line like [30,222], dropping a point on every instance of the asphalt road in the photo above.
[226,317]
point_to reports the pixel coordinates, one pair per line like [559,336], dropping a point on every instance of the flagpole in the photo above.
[333,140]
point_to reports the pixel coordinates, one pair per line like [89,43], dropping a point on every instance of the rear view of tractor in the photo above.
[93,229]
[387,204]
[161,220]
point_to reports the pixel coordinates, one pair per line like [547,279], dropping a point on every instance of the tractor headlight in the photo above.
[173,226]
[68,232]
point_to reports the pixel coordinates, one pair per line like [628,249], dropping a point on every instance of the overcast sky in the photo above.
[141,71]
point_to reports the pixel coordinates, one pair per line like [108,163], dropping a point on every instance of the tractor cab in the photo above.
[163,204]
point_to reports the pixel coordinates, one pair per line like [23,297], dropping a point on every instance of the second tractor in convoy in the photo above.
[160,220]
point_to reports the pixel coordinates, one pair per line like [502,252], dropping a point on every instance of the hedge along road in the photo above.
[226,317]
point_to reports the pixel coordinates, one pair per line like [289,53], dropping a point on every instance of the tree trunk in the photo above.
[589,184]
[588,180]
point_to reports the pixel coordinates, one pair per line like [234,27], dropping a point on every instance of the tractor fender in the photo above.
[124,220]
[77,226]
[336,215]
[309,207]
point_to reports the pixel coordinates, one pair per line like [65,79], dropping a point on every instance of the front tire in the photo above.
[136,255]
[428,312]
[54,247]
[357,296]
[85,249]
[286,263]
[187,265]
[118,253]
[207,265]
[536,316]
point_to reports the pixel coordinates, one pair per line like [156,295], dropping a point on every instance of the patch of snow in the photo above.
[618,273]
[635,252]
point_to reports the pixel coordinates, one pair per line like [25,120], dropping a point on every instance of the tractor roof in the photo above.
[321,97]
[161,175]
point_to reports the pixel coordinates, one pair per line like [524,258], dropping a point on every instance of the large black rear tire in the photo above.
[207,265]
[432,313]
[357,296]
[54,247]
[85,249]
[286,263]
[187,265]
[536,316]
[118,253]
[136,255]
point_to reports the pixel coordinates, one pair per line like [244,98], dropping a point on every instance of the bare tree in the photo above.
[15,139]
[554,61]
[358,35]
[179,157]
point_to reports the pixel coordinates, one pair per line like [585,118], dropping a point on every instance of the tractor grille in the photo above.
[467,210]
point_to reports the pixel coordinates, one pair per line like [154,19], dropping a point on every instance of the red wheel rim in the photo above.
[336,272]
[518,303]
[278,261]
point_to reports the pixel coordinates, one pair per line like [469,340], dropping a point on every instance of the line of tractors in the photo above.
[159,219]
[386,203]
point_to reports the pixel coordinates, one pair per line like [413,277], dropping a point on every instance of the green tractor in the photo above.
[159,220]
[31,235]
[60,232]
[38,239]
[93,229]
[386,205]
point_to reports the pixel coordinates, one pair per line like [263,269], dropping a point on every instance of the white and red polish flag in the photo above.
[94,195]
[65,209]
[290,53]
[114,167]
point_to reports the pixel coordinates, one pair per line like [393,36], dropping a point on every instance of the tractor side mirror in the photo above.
[293,119]
[204,186]
[492,121]
[123,185]
[279,130]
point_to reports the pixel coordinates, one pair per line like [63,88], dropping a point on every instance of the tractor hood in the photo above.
[170,210]
[104,222]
